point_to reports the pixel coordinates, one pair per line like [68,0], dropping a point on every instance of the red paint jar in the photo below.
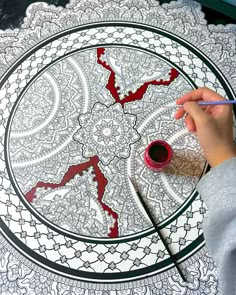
[158,155]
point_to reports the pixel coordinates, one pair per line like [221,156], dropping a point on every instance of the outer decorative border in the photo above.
[216,41]
[219,41]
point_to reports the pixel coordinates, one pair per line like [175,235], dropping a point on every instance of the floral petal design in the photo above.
[107,131]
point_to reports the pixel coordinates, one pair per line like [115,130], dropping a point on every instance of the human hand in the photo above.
[212,124]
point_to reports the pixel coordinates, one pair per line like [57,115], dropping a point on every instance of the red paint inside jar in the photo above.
[158,155]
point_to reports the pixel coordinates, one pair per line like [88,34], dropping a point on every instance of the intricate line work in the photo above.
[107,132]
[71,217]
[76,115]
[139,93]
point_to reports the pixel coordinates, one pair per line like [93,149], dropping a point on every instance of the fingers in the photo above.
[195,115]
[180,113]
[190,124]
[198,115]
[195,95]
[200,94]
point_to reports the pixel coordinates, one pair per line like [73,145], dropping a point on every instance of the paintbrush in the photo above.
[204,103]
[145,207]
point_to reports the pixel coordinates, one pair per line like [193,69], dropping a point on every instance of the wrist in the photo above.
[221,156]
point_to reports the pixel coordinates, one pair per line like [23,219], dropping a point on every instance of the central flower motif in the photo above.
[107,132]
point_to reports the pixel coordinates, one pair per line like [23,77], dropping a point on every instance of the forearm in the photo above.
[218,190]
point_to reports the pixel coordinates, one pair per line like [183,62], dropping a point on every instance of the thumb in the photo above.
[196,112]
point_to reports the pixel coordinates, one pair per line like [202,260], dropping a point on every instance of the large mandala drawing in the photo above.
[82,91]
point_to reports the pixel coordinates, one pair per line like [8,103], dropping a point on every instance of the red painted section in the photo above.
[99,177]
[102,182]
[139,93]
[111,81]
[70,174]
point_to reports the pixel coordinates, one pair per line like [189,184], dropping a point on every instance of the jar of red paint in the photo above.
[158,155]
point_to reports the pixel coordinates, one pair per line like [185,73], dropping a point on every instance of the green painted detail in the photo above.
[190,248]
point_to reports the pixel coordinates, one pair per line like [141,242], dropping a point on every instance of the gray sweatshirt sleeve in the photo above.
[218,190]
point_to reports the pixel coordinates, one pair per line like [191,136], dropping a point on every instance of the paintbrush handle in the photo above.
[205,103]
[160,234]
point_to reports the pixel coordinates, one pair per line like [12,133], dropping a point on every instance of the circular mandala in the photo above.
[107,130]
[84,104]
